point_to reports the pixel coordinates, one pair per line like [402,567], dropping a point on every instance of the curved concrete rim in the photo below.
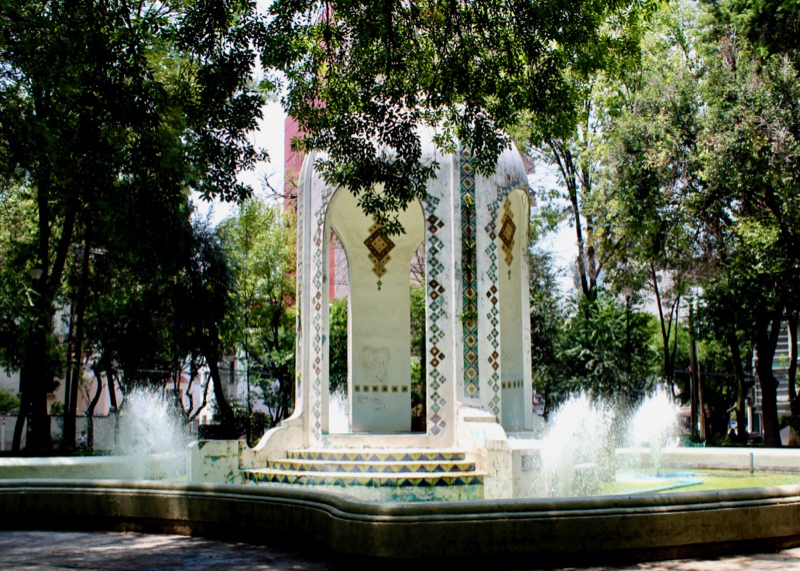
[523,532]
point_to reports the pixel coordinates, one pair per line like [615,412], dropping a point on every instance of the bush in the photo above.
[9,403]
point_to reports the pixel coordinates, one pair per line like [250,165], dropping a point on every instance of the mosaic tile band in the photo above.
[437,310]
[493,313]
[469,277]
[267,477]
[320,256]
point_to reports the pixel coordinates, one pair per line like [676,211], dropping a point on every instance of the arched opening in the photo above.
[513,242]
[339,288]
[419,363]
[378,316]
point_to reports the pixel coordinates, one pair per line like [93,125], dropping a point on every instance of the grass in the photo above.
[733,479]
[641,483]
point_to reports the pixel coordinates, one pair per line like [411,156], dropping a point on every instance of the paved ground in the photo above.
[25,550]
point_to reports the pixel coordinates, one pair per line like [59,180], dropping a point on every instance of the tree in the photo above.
[652,168]
[338,345]
[771,26]
[8,402]
[726,315]
[364,79]
[751,153]
[259,240]
[207,309]
[419,365]
[606,351]
[547,316]
[100,100]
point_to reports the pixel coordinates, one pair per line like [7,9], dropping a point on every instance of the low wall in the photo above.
[146,466]
[531,533]
[763,459]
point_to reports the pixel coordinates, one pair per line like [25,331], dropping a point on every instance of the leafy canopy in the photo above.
[365,78]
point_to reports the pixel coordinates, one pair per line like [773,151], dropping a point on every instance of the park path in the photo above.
[40,550]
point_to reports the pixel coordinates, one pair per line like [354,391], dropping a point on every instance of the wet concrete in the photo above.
[29,550]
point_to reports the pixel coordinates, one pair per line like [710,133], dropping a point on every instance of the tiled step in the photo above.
[366,455]
[271,476]
[373,467]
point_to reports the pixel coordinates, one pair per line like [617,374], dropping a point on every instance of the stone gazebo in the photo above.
[475,235]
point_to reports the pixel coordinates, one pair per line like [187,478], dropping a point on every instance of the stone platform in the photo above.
[397,475]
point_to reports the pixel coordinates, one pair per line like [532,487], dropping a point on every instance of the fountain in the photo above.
[574,452]
[151,436]
[481,438]
[339,412]
[150,444]
[591,447]
[479,430]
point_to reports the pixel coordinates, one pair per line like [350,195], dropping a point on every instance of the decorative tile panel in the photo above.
[375,456]
[300,276]
[507,231]
[493,314]
[379,246]
[469,276]
[318,337]
[437,312]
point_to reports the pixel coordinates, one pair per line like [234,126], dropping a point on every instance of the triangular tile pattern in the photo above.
[377,468]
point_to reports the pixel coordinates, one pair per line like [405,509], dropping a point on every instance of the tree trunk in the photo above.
[90,410]
[696,411]
[741,389]
[586,261]
[227,419]
[68,381]
[40,379]
[71,413]
[665,327]
[24,407]
[767,330]
[701,403]
[112,396]
[112,393]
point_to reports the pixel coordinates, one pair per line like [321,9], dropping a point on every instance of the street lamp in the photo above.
[36,273]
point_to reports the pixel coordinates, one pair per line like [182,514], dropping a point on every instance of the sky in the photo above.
[270,137]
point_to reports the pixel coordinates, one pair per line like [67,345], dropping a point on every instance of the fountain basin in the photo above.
[560,531]
[122,467]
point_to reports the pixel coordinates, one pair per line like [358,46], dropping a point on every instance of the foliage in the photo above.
[419,365]
[56,409]
[259,242]
[338,345]
[546,319]
[604,350]
[646,232]
[112,103]
[771,26]
[701,180]
[364,79]
[8,402]
[749,207]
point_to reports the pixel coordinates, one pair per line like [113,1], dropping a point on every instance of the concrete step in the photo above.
[272,476]
[372,467]
[376,455]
